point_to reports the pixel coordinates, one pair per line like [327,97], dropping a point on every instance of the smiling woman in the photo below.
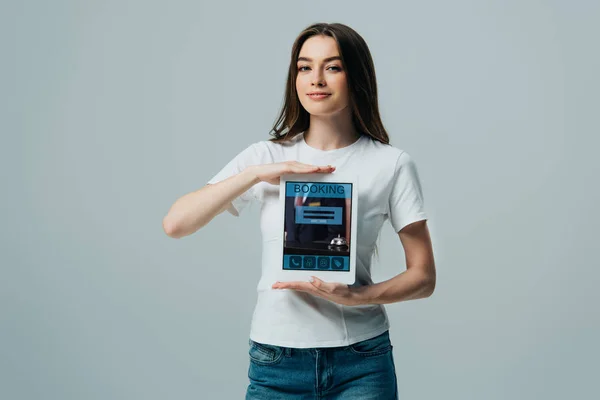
[321,339]
[314,70]
[331,75]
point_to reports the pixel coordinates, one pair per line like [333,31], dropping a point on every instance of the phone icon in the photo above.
[296,261]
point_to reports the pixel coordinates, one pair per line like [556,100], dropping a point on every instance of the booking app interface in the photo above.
[317,226]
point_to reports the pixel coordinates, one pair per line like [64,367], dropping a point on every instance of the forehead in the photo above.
[319,47]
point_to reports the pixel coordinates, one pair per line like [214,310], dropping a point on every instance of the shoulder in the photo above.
[265,149]
[395,160]
[262,149]
[387,153]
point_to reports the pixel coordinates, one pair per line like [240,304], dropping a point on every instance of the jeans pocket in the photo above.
[373,347]
[264,354]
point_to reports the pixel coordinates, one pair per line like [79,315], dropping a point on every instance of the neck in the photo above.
[330,132]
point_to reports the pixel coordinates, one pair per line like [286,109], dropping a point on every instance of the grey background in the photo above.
[111,110]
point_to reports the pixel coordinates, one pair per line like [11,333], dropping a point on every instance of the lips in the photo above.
[318,95]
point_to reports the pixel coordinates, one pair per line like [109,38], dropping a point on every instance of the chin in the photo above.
[321,113]
[322,110]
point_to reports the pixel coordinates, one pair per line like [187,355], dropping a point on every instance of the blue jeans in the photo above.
[361,371]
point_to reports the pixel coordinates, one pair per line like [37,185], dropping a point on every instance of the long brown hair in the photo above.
[362,85]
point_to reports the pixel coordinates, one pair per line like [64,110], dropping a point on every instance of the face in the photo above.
[320,71]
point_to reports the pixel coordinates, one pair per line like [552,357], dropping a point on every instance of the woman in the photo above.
[324,339]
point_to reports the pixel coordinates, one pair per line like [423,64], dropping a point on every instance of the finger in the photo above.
[289,285]
[316,168]
[295,165]
[299,166]
[314,165]
[293,285]
[327,169]
[305,170]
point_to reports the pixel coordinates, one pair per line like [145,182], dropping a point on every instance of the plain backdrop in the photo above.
[111,110]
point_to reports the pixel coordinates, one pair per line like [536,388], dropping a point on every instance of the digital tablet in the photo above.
[318,228]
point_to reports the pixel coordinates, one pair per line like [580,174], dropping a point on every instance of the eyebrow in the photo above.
[325,60]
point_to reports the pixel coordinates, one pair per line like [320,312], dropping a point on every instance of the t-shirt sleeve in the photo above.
[251,155]
[406,203]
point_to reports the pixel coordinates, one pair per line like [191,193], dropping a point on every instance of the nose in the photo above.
[317,79]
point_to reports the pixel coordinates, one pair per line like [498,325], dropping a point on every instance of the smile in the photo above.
[318,96]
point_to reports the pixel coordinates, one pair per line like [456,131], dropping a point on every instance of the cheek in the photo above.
[300,89]
[340,84]
[341,89]
[302,81]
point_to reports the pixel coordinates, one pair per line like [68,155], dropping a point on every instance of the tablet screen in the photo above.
[317,226]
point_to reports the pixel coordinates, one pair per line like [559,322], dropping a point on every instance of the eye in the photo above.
[336,68]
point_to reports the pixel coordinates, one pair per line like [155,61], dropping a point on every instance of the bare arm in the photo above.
[418,281]
[196,209]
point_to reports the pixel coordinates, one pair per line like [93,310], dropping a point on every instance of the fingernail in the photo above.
[311,279]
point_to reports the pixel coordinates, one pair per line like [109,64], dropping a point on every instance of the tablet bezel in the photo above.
[347,277]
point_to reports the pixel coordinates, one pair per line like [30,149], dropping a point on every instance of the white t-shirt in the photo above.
[389,188]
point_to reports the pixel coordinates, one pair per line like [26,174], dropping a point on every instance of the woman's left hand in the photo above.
[337,292]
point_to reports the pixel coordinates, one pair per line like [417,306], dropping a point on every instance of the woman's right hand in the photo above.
[271,173]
